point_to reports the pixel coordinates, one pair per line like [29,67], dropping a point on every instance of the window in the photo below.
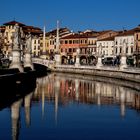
[70,41]
[131,40]
[6,34]
[127,50]
[131,49]
[124,41]
[137,36]
[66,42]
[120,41]
[120,50]
[70,50]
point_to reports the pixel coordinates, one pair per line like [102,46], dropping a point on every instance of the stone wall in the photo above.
[127,74]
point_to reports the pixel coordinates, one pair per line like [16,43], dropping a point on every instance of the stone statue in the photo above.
[28,43]
[16,40]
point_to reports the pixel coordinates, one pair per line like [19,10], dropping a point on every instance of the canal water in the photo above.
[74,107]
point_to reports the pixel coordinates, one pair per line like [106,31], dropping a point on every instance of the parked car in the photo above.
[108,61]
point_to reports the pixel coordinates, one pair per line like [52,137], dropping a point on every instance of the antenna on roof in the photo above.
[14,19]
[123,29]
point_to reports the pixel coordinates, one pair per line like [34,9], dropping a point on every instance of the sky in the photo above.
[77,15]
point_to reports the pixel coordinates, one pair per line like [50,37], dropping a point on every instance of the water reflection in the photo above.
[64,89]
[15,114]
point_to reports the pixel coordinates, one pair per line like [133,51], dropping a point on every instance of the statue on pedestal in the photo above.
[28,43]
[27,58]
[16,40]
[16,52]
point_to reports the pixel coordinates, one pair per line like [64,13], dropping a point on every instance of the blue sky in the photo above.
[77,15]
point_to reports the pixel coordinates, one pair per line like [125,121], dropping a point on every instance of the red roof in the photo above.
[13,23]
[127,33]
[108,39]
[74,36]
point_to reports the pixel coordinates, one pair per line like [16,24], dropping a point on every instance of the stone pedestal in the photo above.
[77,63]
[58,59]
[123,64]
[99,62]
[16,60]
[28,61]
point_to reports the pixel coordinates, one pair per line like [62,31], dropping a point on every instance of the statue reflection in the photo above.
[15,117]
[15,114]
[27,106]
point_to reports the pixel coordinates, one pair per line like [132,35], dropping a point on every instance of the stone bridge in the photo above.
[48,63]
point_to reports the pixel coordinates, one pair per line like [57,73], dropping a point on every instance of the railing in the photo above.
[47,63]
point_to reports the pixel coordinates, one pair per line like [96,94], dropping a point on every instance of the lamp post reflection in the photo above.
[122,101]
[98,92]
[57,90]
[77,89]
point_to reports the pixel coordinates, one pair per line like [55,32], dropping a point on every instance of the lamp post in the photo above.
[57,53]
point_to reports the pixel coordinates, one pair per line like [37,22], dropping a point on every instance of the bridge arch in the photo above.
[44,62]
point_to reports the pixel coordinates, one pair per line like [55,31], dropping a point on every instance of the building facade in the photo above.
[107,47]
[124,43]
[8,33]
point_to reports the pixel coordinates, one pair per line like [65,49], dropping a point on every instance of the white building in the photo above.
[35,46]
[124,43]
[107,47]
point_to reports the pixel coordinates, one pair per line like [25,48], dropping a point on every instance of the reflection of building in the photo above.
[67,89]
